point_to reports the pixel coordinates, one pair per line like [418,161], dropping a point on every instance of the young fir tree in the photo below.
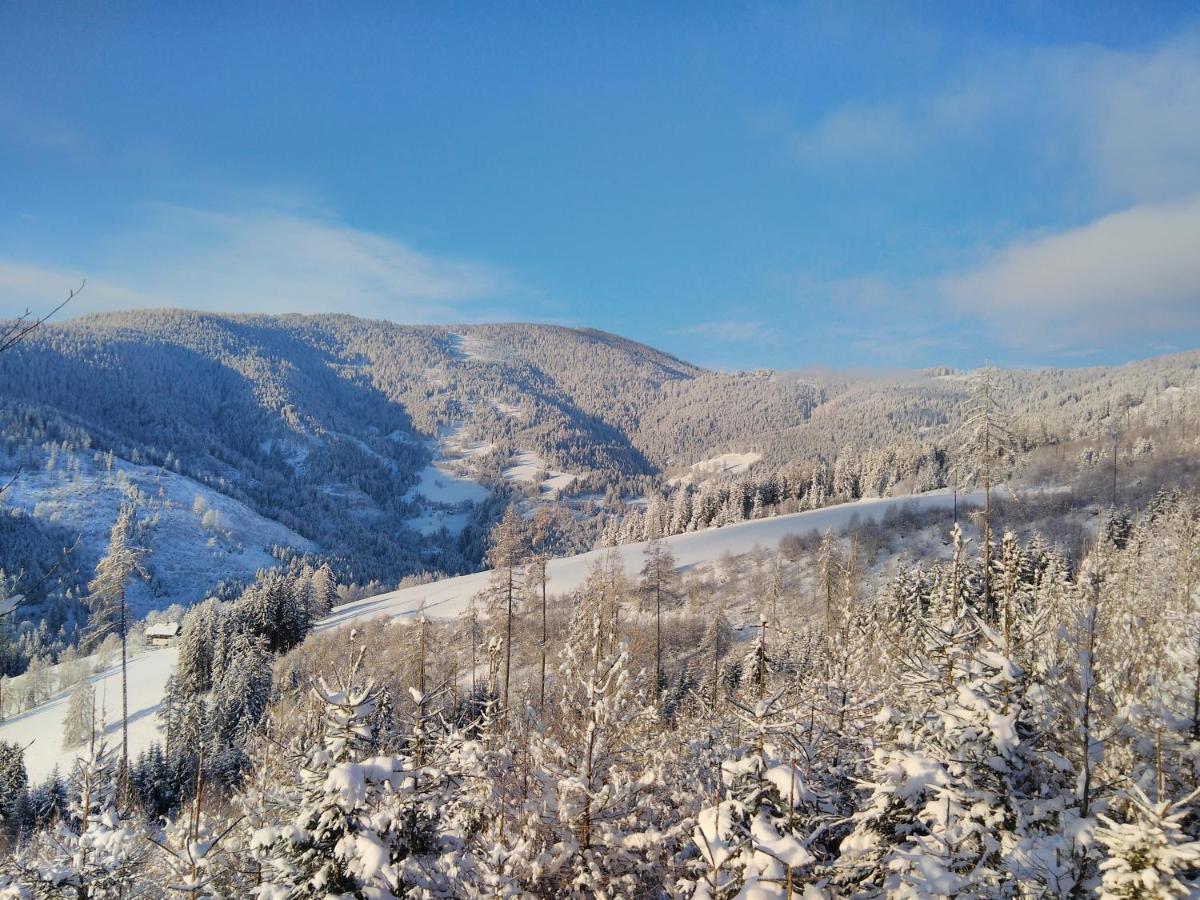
[92,853]
[1149,854]
[752,842]
[336,831]
[591,776]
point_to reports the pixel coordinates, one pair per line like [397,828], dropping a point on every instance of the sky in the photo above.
[742,184]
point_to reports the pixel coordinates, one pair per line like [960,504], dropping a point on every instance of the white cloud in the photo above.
[264,260]
[1130,273]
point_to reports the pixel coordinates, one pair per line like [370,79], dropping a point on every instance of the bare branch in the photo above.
[26,323]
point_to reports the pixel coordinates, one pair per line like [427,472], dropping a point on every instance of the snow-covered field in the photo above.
[725,464]
[527,466]
[439,485]
[41,728]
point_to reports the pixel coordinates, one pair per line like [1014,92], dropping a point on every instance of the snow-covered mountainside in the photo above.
[148,672]
[195,535]
[391,450]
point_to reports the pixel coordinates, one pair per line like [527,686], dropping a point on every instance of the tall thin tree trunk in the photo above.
[124,704]
[508,645]
[987,516]
[542,695]
[658,673]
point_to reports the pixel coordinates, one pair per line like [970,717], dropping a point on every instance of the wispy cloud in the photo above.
[1127,122]
[1134,272]
[731,331]
[266,260]
[857,133]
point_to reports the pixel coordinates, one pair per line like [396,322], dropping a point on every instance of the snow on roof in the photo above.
[163,629]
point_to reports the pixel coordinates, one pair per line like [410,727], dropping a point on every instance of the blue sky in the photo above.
[742,184]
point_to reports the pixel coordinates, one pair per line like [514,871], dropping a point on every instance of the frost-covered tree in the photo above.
[659,587]
[752,843]
[507,555]
[335,835]
[589,790]
[1149,855]
[81,714]
[108,612]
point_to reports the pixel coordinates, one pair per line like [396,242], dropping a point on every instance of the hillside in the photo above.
[390,449]
[445,599]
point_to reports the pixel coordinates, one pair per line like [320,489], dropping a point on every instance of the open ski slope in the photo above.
[40,729]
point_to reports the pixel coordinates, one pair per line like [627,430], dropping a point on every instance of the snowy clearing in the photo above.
[527,467]
[148,672]
[725,464]
[440,485]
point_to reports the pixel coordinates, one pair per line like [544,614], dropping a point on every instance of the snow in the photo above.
[439,485]
[725,464]
[469,346]
[9,604]
[40,729]
[148,672]
[189,550]
[444,487]
[448,597]
[526,468]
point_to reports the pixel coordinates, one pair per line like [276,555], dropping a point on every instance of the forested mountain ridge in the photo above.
[329,424]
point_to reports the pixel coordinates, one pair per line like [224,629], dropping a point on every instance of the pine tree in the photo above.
[507,554]
[659,586]
[14,780]
[1149,855]
[752,842]
[108,611]
[81,713]
[323,592]
[335,838]
[590,792]
[986,451]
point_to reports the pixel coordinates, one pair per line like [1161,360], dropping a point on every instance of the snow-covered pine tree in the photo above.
[322,592]
[591,774]
[81,713]
[1149,855]
[986,448]
[752,841]
[337,832]
[108,613]
[92,853]
[14,780]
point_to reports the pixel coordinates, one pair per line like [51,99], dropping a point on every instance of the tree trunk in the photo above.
[542,695]
[508,645]
[124,780]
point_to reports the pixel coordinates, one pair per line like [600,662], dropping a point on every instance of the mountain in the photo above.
[391,448]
